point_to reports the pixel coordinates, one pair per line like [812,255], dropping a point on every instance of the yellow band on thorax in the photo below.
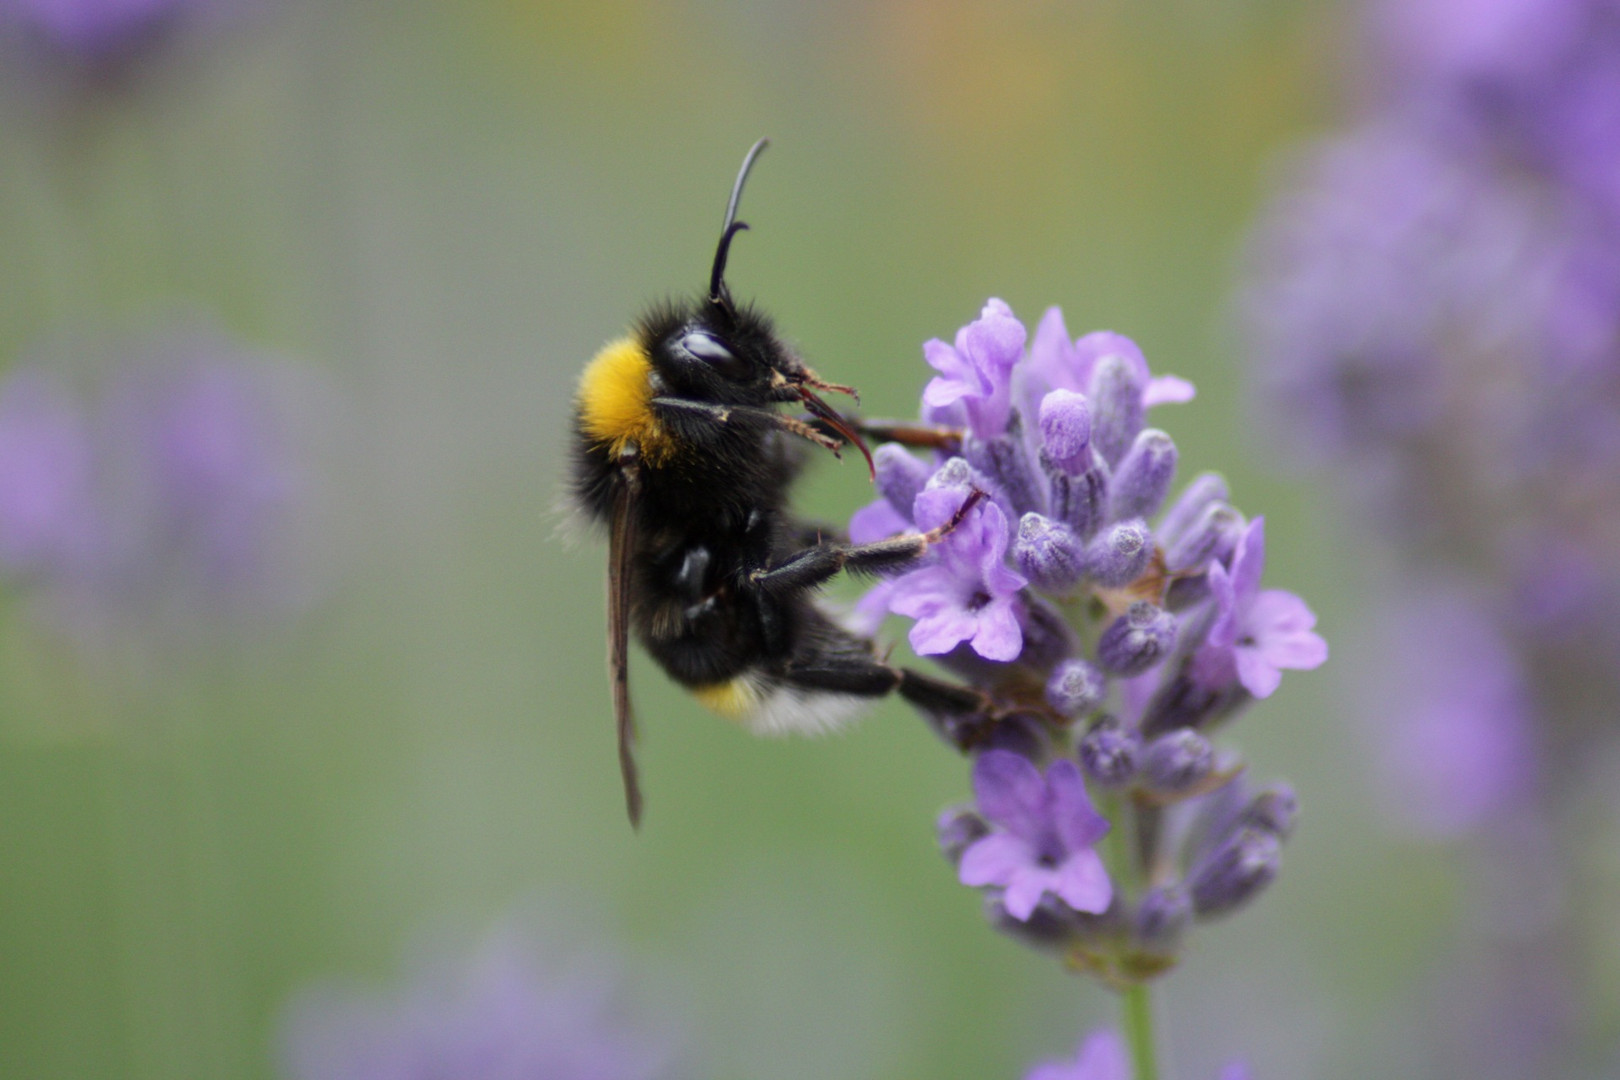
[615,401]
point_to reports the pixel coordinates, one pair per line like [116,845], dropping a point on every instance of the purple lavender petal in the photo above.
[1078,823]
[1083,883]
[995,860]
[1011,792]
[1167,390]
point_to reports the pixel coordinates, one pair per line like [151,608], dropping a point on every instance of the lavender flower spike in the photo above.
[1045,829]
[1256,633]
[969,594]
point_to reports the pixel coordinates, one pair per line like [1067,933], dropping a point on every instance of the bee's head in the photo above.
[719,352]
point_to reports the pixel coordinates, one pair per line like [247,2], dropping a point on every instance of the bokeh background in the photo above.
[407,226]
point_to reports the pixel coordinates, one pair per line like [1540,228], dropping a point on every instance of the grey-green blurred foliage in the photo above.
[444,209]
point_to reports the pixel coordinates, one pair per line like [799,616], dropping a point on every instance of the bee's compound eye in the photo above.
[704,346]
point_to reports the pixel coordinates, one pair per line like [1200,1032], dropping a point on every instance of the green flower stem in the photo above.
[1139,1032]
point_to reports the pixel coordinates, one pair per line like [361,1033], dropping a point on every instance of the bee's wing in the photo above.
[620,545]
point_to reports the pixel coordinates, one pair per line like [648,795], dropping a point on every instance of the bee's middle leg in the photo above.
[817,564]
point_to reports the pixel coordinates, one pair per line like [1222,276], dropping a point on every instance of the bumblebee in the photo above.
[681,450]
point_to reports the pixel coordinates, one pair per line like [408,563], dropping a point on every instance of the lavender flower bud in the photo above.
[958,828]
[1236,871]
[1143,478]
[1180,702]
[1212,537]
[1116,406]
[1109,753]
[1273,810]
[1021,733]
[900,476]
[1075,688]
[1078,501]
[1189,506]
[1050,926]
[1120,555]
[1066,431]
[1047,553]
[957,473]
[1161,915]
[1047,635]
[1137,640]
[1175,762]
[1006,460]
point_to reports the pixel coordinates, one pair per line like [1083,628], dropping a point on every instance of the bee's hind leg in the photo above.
[960,715]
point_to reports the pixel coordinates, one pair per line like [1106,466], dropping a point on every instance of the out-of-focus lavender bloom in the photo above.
[1532,83]
[968,594]
[1256,634]
[1082,657]
[46,476]
[1436,301]
[178,493]
[509,1011]
[1450,715]
[1045,836]
[1102,1056]
[96,31]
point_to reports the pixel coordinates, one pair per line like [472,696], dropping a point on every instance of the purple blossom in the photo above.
[1056,363]
[94,30]
[1452,713]
[508,1011]
[1256,633]
[967,593]
[1044,836]
[178,491]
[46,476]
[977,371]
[1100,1057]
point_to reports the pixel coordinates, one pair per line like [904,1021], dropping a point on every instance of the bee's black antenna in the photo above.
[731,227]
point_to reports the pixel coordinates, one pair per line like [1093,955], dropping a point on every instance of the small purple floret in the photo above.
[1101,1057]
[1137,640]
[968,594]
[1045,830]
[1256,633]
[977,371]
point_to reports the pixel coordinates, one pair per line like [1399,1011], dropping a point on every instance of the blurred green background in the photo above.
[444,210]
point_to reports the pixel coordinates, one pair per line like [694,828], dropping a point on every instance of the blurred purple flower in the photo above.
[1102,1056]
[977,371]
[506,1012]
[180,493]
[1451,714]
[1046,830]
[45,476]
[968,593]
[1256,633]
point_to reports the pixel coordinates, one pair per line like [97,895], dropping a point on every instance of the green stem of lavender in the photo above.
[1139,1032]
